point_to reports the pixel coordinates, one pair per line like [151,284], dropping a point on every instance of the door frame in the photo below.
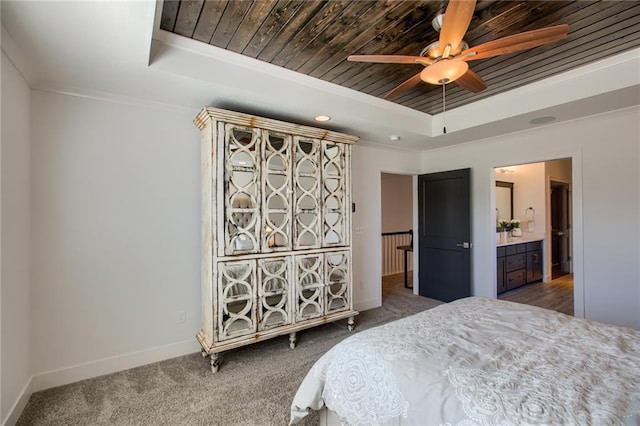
[576,217]
[414,224]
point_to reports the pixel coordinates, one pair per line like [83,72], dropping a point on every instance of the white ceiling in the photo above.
[115,48]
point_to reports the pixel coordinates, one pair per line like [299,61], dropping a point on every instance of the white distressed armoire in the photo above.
[276,229]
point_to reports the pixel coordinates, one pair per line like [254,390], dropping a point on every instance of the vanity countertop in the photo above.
[518,240]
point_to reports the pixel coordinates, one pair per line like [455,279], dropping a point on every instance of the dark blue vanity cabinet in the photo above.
[518,264]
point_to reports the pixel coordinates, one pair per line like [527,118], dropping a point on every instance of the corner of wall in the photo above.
[17,58]
[19,405]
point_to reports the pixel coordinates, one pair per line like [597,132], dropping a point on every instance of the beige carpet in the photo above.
[255,384]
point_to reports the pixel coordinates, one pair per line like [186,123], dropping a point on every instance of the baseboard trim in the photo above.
[110,365]
[18,406]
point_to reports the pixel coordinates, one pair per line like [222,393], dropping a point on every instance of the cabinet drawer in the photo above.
[516,261]
[516,279]
[534,245]
[516,248]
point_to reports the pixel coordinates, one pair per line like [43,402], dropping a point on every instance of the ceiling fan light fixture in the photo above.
[444,71]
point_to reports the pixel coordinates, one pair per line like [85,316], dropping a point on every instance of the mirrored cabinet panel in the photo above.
[306,176]
[276,223]
[334,193]
[276,192]
[310,286]
[274,307]
[337,282]
[236,289]
[242,190]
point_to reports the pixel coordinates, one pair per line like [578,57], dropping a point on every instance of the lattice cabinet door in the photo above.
[306,180]
[236,299]
[337,278]
[276,192]
[274,307]
[242,220]
[334,214]
[309,286]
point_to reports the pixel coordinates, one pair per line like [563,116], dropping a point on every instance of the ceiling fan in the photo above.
[446,60]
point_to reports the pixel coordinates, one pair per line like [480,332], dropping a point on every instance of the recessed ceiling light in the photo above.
[322,118]
[394,137]
[542,120]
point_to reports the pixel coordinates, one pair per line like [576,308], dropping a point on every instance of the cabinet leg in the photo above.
[215,362]
[350,323]
[292,340]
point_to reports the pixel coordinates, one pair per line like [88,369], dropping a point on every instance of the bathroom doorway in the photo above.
[542,205]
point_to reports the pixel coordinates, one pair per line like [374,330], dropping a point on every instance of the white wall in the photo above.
[116,226]
[605,153]
[559,170]
[367,165]
[397,202]
[15,244]
[528,191]
[116,235]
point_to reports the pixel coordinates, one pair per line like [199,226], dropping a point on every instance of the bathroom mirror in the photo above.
[504,201]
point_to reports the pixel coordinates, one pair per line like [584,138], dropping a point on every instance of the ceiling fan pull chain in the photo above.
[444,110]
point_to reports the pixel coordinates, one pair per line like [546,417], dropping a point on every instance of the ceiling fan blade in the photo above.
[456,21]
[516,42]
[404,87]
[471,81]
[386,59]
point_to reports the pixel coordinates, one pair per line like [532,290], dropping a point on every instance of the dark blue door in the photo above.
[444,235]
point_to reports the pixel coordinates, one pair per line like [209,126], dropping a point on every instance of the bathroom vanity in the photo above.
[519,262]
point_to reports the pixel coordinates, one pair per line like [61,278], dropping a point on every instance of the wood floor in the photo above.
[395,283]
[556,295]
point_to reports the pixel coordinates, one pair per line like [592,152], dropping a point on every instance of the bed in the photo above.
[478,361]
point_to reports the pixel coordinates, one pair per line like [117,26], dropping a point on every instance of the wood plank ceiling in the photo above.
[315,37]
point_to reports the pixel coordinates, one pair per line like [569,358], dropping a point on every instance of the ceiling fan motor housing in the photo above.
[433,50]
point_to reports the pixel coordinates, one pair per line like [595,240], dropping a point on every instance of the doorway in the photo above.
[397,205]
[542,204]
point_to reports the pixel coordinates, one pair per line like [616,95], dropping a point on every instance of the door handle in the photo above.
[464,245]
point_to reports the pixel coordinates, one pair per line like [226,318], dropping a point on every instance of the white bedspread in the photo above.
[479,361]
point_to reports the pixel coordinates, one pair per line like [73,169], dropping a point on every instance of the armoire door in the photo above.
[241,189]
